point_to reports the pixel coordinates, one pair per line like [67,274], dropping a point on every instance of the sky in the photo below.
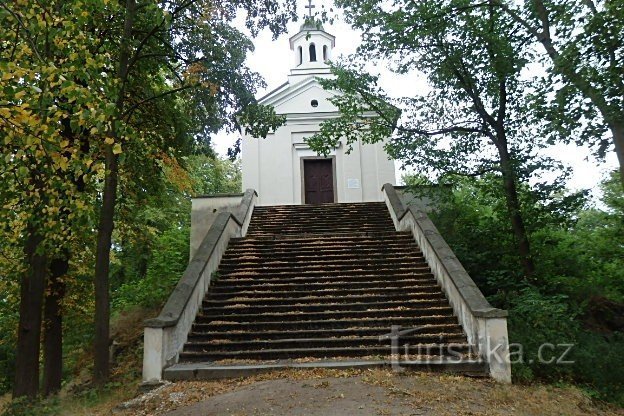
[273,60]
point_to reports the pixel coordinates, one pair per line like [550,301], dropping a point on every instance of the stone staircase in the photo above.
[325,283]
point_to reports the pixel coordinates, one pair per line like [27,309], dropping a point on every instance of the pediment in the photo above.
[289,99]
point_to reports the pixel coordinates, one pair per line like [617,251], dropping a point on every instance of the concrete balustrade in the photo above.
[166,334]
[485,326]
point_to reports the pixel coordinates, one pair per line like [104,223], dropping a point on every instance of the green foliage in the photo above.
[472,122]
[9,307]
[478,102]
[599,365]
[28,407]
[579,264]
[154,250]
[583,94]
[123,92]
[213,175]
[259,120]
[168,259]
[536,319]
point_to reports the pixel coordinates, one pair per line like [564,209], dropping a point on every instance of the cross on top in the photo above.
[310,6]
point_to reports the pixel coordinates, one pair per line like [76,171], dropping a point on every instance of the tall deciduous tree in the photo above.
[46,64]
[190,47]
[91,91]
[583,40]
[473,120]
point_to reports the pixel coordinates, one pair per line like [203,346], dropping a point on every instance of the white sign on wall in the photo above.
[353,183]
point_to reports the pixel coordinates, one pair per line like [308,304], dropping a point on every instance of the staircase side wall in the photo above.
[165,335]
[204,210]
[485,326]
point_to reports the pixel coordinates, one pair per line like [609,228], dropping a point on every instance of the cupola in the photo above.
[312,46]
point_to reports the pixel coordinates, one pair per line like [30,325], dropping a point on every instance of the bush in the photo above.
[579,257]
[168,260]
[28,407]
[599,365]
[534,320]
[594,361]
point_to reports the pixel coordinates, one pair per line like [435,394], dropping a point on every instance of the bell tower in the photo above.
[311,49]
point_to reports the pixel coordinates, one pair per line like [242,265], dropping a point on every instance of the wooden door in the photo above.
[318,181]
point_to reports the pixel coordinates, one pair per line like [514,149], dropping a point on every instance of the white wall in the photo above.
[272,166]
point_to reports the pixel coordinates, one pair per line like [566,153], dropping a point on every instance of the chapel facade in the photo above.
[282,168]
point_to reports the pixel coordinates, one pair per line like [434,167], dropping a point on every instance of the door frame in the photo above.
[302,171]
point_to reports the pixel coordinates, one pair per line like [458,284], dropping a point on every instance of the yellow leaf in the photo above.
[109,140]
[117,148]
[20,94]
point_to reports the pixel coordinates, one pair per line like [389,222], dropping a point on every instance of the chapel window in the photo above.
[312,53]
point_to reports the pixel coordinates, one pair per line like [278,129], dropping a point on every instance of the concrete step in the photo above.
[212,371]
[285,272]
[217,345]
[379,285]
[414,312]
[434,349]
[426,278]
[318,226]
[304,300]
[209,335]
[358,223]
[288,246]
[356,258]
[322,260]
[283,247]
[374,322]
[353,235]
[326,254]
[293,223]
[261,292]
[347,267]
[346,209]
[319,307]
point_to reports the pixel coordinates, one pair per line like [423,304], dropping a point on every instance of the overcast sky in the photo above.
[273,60]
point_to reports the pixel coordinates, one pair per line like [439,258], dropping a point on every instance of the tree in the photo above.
[583,49]
[43,100]
[91,91]
[471,123]
[583,41]
[193,48]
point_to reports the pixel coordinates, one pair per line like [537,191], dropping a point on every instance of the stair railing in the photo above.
[485,326]
[165,335]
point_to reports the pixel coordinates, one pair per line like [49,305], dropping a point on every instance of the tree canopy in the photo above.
[102,96]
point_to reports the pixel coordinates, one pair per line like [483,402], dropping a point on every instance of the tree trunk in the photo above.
[515,214]
[617,128]
[29,330]
[102,266]
[53,327]
[107,214]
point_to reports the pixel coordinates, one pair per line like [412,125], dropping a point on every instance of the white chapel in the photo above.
[282,168]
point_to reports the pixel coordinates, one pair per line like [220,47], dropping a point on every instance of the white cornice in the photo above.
[287,91]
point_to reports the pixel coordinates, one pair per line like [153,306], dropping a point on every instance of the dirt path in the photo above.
[363,393]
